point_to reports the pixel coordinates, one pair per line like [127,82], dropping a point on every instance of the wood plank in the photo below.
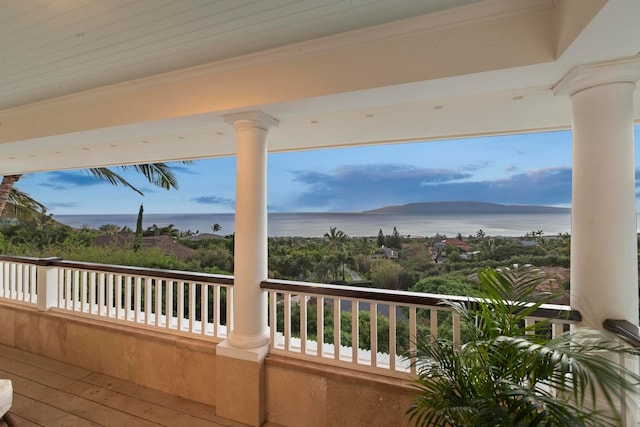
[23,422]
[147,394]
[35,374]
[143,409]
[53,393]
[45,415]
[93,411]
[75,405]
[42,362]
[26,387]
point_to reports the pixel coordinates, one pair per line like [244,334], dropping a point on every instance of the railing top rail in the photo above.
[186,276]
[29,260]
[402,297]
[624,329]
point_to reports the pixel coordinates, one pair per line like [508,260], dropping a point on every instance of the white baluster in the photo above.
[320,323]
[374,333]
[303,324]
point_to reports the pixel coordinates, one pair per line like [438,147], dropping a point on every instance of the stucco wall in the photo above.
[301,393]
[181,366]
[297,392]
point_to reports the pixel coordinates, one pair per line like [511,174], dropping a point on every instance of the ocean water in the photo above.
[353,224]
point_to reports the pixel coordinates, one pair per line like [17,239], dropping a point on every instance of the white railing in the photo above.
[196,304]
[18,279]
[367,329]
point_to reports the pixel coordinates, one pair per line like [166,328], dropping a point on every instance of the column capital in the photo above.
[624,70]
[255,119]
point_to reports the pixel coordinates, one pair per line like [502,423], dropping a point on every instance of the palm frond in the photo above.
[22,206]
[113,178]
[158,174]
[18,204]
[507,376]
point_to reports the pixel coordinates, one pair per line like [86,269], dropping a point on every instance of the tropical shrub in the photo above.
[509,374]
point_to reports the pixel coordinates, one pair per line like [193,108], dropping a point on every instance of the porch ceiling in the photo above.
[52,48]
[82,85]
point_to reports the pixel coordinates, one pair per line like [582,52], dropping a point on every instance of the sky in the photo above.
[531,169]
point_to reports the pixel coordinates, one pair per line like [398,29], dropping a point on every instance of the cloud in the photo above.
[362,187]
[511,168]
[473,167]
[366,187]
[59,178]
[64,180]
[214,200]
[53,186]
[550,186]
[62,205]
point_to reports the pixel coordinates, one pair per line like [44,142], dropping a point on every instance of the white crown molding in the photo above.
[590,75]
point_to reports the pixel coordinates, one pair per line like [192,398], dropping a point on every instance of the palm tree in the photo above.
[343,259]
[22,205]
[321,270]
[110,229]
[336,238]
[15,202]
[365,246]
[511,373]
[152,230]
[171,231]
[487,247]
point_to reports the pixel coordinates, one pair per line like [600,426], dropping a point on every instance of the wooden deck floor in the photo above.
[52,393]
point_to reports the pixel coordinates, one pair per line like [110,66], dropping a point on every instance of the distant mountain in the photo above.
[446,208]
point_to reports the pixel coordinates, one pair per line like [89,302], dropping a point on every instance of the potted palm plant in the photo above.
[512,374]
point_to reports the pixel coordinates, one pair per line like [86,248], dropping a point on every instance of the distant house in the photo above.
[464,246]
[469,255]
[384,252]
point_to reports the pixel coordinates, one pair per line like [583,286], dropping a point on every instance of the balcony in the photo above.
[499,69]
[48,392]
[85,330]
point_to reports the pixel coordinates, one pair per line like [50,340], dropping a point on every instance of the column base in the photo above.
[248,342]
[240,383]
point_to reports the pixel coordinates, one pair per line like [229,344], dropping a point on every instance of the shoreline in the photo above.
[353,224]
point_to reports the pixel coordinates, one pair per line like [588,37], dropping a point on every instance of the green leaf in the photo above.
[509,374]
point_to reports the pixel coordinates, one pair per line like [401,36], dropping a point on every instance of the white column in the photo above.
[604,265]
[604,256]
[250,259]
